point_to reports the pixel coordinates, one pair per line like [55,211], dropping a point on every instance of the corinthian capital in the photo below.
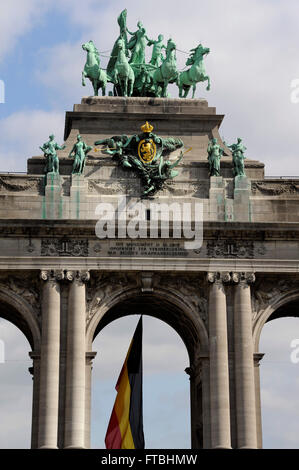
[221,277]
[51,275]
[245,278]
[80,276]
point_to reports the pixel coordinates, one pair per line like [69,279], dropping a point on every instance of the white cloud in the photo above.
[23,132]
[252,62]
[17,18]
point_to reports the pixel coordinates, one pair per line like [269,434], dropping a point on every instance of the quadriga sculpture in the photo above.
[92,70]
[123,74]
[167,72]
[195,74]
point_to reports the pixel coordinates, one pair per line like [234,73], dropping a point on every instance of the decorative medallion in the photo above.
[147,150]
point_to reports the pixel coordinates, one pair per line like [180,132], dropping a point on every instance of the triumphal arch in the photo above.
[82,245]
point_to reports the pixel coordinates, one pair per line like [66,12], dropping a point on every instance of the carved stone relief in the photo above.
[18,184]
[275,189]
[27,287]
[64,247]
[265,292]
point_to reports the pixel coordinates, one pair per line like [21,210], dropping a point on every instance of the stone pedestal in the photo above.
[77,196]
[52,204]
[242,193]
[217,198]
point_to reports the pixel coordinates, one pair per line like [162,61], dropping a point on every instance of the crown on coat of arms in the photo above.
[147,128]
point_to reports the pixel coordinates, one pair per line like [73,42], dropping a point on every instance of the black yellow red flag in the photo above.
[125,429]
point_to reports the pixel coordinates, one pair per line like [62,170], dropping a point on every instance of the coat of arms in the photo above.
[147,154]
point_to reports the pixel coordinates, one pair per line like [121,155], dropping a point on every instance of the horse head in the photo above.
[120,44]
[89,46]
[171,45]
[197,53]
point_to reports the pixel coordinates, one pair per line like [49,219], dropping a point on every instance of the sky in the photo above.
[253,66]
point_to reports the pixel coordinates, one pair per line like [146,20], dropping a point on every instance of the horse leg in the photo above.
[209,83]
[115,83]
[130,84]
[95,85]
[126,86]
[193,90]
[186,89]
[164,92]
[84,74]
[121,87]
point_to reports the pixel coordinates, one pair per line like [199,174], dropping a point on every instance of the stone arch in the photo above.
[188,319]
[184,317]
[19,312]
[285,305]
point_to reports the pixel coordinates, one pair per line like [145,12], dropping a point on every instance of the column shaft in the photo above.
[244,368]
[49,366]
[35,371]
[89,358]
[219,376]
[75,367]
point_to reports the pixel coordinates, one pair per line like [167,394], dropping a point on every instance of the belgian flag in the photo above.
[125,429]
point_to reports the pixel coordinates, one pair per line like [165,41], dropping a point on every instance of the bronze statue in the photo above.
[49,149]
[80,151]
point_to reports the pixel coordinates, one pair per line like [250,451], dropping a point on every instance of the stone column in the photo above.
[244,366]
[49,361]
[257,359]
[35,372]
[89,359]
[200,402]
[74,437]
[194,372]
[219,376]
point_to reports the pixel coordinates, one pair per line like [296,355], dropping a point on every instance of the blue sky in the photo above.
[254,58]
[252,63]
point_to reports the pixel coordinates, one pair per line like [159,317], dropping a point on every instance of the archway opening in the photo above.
[15,382]
[166,387]
[279,378]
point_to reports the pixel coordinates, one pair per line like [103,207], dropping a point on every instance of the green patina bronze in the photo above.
[137,44]
[123,75]
[147,154]
[79,151]
[195,74]
[132,76]
[215,153]
[167,72]
[92,70]
[49,149]
[238,150]
[157,55]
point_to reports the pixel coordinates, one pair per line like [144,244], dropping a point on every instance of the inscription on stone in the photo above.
[141,248]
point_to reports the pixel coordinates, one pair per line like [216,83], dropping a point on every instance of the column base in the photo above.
[47,447]
[247,447]
[221,447]
[73,447]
